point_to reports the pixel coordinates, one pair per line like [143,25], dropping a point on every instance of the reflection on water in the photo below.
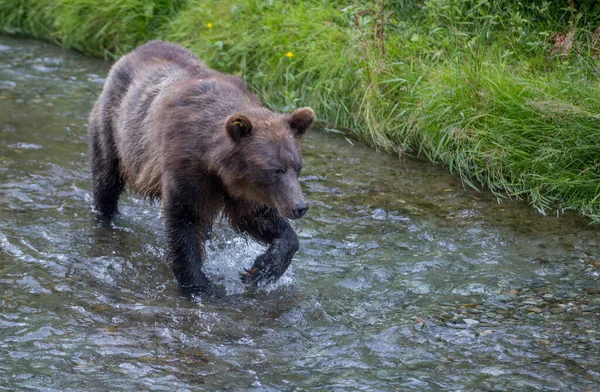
[404,280]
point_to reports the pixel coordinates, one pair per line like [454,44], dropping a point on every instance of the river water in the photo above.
[404,280]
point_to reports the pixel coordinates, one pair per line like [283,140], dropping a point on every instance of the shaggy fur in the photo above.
[171,128]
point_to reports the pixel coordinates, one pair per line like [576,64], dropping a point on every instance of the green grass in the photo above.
[467,83]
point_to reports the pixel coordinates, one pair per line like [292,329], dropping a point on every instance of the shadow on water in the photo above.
[404,280]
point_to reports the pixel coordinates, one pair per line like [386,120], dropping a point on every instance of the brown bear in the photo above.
[171,128]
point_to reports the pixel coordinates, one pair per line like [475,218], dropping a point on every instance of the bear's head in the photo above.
[265,160]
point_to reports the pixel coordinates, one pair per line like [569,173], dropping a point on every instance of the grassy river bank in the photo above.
[485,87]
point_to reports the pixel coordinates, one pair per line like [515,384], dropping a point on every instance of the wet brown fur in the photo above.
[171,128]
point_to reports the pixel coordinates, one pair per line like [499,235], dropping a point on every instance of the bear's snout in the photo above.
[287,196]
[299,210]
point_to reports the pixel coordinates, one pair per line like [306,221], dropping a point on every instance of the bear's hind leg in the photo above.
[107,181]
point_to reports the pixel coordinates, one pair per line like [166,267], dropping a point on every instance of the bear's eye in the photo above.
[278,172]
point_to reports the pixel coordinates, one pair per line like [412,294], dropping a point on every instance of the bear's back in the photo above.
[157,51]
[161,97]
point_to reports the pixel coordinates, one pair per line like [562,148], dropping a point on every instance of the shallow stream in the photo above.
[404,280]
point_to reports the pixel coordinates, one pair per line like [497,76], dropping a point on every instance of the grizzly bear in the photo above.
[198,140]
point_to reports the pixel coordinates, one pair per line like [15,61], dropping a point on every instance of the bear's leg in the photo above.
[188,221]
[268,227]
[107,182]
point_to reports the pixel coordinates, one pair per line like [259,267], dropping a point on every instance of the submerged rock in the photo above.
[379,214]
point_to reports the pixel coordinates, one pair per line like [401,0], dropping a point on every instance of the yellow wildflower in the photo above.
[209,25]
[289,55]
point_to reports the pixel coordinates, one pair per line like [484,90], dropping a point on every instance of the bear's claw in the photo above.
[252,276]
[251,271]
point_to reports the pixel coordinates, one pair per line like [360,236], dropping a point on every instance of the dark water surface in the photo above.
[403,281]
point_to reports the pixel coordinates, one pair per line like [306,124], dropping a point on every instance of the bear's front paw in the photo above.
[249,276]
[254,276]
[266,269]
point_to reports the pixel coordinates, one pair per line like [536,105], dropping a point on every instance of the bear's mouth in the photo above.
[289,203]
[296,212]
[286,213]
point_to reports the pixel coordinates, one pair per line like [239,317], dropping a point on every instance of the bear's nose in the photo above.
[300,209]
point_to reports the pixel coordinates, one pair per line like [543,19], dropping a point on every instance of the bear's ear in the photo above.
[238,127]
[301,120]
